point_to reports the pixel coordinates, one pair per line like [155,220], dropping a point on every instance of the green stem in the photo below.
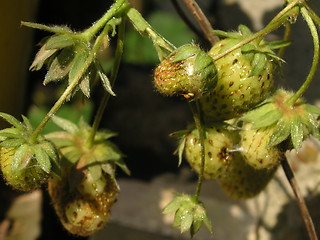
[196,111]
[313,15]
[114,74]
[315,61]
[116,8]
[275,23]
[143,27]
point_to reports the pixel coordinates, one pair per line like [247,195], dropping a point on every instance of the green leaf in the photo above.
[185,52]
[258,63]
[41,57]
[106,83]
[59,41]
[296,132]
[267,119]
[280,133]
[21,157]
[12,120]
[42,158]
[66,124]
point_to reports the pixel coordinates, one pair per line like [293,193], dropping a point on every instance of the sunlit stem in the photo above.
[114,74]
[315,61]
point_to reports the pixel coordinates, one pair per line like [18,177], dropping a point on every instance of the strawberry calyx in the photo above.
[297,121]
[187,71]
[20,157]
[190,214]
[99,158]
[258,51]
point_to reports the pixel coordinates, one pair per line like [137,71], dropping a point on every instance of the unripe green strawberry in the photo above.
[83,205]
[217,144]
[187,71]
[245,76]
[243,181]
[255,147]
[28,178]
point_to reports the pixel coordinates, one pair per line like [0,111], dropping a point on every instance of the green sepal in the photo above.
[200,217]
[21,158]
[7,143]
[229,44]
[258,63]
[59,41]
[296,131]
[267,119]
[60,66]
[249,50]
[258,112]
[9,133]
[93,166]
[224,34]
[42,158]
[202,61]
[281,132]
[66,125]
[278,44]
[184,52]
[12,120]
[71,154]
[180,150]
[244,30]
[312,109]
[104,134]
[54,29]
[41,57]
[106,83]
[77,65]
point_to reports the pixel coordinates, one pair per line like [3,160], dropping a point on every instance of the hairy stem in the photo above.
[114,74]
[116,8]
[301,203]
[315,61]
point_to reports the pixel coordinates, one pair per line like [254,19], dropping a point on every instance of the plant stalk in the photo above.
[114,74]
[301,203]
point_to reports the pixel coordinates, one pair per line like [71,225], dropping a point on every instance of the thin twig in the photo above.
[202,20]
[300,200]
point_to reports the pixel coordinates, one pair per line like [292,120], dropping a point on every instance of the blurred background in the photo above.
[144,120]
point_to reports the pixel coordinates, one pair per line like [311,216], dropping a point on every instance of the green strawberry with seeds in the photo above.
[82,204]
[26,161]
[245,75]
[218,143]
[87,189]
[188,71]
[243,181]
[255,149]
[291,122]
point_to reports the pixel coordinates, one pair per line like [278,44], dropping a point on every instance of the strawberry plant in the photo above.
[243,122]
